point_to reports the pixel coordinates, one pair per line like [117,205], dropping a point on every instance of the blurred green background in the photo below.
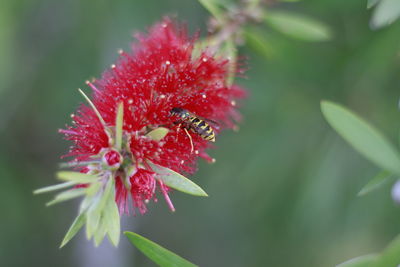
[283,190]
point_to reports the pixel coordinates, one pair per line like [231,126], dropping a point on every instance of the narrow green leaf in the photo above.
[92,217]
[371,3]
[100,233]
[258,42]
[109,222]
[77,177]
[77,164]
[73,229]
[156,253]
[53,187]
[230,52]
[158,134]
[95,210]
[362,261]
[390,257]
[177,181]
[112,219]
[93,188]
[93,107]
[375,183]
[118,126]
[87,202]
[67,195]
[199,46]
[386,12]
[298,26]
[362,136]
[109,187]
[212,7]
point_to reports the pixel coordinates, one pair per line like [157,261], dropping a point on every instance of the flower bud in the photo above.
[113,159]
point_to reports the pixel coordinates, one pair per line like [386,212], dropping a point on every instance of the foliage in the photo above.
[279,184]
[156,253]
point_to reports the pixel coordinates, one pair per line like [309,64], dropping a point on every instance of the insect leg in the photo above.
[191,141]
[178,128]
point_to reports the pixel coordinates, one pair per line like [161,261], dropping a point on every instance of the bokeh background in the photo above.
[283,190]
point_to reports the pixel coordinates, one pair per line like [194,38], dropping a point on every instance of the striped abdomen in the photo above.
[201,127]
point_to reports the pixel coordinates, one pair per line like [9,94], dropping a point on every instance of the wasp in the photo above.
[194,123]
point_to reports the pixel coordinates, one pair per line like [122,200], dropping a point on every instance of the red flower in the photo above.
[159,74]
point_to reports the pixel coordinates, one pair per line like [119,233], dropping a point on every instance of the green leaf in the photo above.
[212,7]
[67,195]
[298,26]
[385,13]
[73,229]
[92,217]
[230,53]
[177,181]
[371,3]
[158,134]
[362,261]
[53,187]
[258,42]
[93,107]
[77,177]
[100,233]
[118,126]
[77,164]
[93,188]
[390,257]
[375,183]
[87,202]
[199,46]
[109,222]
[95,210]
[362,136]
[156,253]
[112,219]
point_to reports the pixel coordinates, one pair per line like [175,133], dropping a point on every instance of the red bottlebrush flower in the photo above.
[161,73]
